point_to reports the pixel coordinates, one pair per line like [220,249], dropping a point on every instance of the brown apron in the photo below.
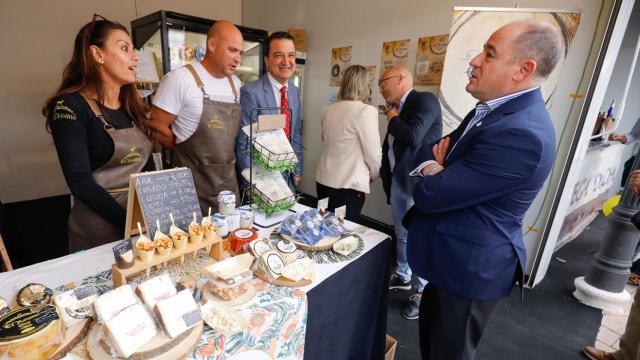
[131,151]
[210,151]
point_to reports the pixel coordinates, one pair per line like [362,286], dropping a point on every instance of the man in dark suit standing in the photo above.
[414,118]
[465,231]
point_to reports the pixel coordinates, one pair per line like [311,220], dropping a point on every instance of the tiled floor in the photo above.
[613,325]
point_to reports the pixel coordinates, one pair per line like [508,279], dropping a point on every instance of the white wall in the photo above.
[365,24]
[37,38]
[273,15]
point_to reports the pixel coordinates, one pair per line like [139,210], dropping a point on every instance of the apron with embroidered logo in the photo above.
[210,151]
[131,150]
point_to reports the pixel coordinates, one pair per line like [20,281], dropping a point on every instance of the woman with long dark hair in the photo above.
[97,122]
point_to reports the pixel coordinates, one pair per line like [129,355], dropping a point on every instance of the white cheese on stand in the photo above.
[111,303]
[178,313]
[130,329]
[76,305]
[155,289]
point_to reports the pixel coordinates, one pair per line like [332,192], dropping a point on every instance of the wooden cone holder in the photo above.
[120,276]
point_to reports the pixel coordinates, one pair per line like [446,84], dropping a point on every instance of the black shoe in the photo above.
[397,282]
[412,310]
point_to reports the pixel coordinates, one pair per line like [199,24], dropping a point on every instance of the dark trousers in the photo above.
[353,199]
[450,325]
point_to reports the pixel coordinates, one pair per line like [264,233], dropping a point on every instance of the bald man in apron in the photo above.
[196,112]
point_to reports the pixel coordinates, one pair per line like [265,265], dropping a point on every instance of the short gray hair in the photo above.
[541,42]
[355,84]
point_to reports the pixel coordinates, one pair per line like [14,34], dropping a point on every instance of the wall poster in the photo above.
[394,53]
[430,60]
[340,61]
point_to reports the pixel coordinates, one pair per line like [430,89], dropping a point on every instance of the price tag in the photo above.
[323,204]
[121,248]
[341,212]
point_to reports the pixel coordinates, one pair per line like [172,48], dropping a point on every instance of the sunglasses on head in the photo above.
[93,24]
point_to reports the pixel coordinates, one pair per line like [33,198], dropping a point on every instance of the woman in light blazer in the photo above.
[351,153]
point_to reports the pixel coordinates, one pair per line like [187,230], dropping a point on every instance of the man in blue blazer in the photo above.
[465,231]
[272,90]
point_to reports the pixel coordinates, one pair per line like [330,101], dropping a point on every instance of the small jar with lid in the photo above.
[226,202]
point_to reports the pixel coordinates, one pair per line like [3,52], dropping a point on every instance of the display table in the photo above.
[346,304]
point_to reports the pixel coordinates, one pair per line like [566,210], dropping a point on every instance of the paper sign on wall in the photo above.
[371,74]
[430,59]
[394,53]
[340,61]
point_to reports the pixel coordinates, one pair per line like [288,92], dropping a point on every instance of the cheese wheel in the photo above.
[32,332]
[34,294]
[240,237]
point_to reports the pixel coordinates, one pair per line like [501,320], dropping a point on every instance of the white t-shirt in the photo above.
[179,95]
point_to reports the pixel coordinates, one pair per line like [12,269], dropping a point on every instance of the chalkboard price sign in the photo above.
[154,195]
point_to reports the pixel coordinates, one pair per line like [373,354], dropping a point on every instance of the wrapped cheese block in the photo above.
[32,332]
[271,264]
[312,215]
[112,302]
[178,313]
[300,269]
[76,304]
[156,289]
[259,246]
[331,226]
[34,294]
[308,234]
[288,226]
[129,330]
[287,249]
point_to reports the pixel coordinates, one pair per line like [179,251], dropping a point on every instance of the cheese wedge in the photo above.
[155,289]
[76,304]
[111,303]
[178,313]
[129,330]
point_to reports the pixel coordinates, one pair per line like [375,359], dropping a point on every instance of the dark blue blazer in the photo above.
[419,122]
[257,94]
[465,232]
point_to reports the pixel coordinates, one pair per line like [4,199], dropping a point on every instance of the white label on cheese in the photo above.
[275,263]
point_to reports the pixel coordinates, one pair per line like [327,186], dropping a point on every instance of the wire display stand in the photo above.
[272,161]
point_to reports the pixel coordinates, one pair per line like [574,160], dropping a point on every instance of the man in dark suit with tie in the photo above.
[465,231]
[273,90]
[414,118]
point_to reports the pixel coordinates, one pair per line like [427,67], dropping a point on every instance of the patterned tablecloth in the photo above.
[277,316]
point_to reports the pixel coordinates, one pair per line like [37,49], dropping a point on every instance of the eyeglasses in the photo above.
[381,81]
